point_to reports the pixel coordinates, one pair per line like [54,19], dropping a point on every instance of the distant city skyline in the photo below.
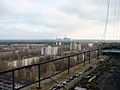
[48,19]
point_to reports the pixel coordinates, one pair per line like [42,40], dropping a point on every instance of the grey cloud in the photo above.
[43,18]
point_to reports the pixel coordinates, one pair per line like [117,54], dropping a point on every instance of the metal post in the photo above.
[89,56]
[39,86]
[77,57]
[13,80]
[98,54]
[94,52]
[68,65]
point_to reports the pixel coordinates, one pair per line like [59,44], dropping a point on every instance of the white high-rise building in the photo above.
[54,50]
[73,46]
[60,43]
[46,50]
[79,47]
[90,45]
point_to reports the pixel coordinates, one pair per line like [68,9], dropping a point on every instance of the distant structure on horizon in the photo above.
[64,39]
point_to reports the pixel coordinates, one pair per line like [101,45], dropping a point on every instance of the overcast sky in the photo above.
[48,19]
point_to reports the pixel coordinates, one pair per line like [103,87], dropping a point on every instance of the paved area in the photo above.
[110,80]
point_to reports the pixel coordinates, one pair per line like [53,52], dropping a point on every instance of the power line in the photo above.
[118,13]
[106,23]
[115,19]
